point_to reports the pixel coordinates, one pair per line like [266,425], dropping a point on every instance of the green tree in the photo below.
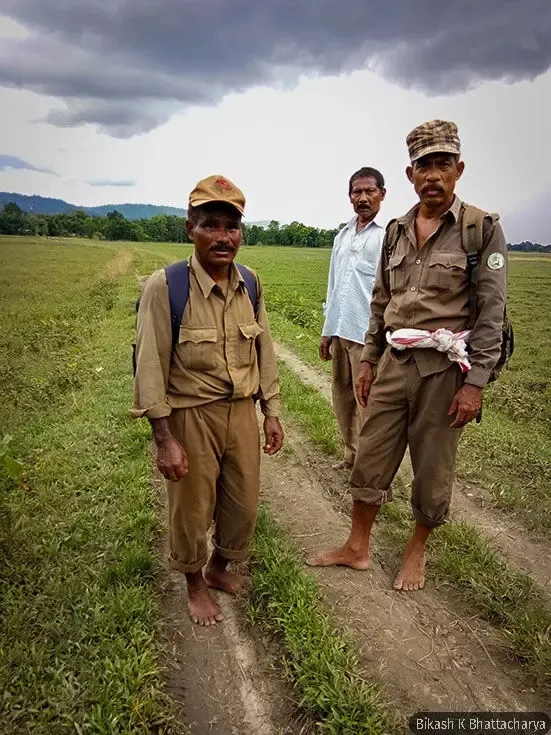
[13,220]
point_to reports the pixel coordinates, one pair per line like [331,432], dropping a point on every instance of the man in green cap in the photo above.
[196,382]
[428,354]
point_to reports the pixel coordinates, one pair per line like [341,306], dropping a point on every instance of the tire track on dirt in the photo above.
[469,502]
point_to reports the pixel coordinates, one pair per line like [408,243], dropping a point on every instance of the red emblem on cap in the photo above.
[222,185]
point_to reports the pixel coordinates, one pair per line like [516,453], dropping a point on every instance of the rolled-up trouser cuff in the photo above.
[180,566]
[426,521]
[371,495]
[232,554]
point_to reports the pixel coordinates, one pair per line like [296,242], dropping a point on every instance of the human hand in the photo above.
[466,405]
[325,349]
[363,386]
[273,433]
[172,460]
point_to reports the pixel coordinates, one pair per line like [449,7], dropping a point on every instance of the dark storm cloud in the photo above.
[14,162]
[103,57]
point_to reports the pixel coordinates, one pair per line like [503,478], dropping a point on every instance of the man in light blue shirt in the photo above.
[354,261]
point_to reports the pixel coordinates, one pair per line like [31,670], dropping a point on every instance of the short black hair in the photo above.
[194,213]
[363,173]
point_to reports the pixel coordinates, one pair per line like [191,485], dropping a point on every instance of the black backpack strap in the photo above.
[177,278]
[250,285]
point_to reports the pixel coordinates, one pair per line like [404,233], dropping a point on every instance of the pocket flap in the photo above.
[449,260]
[250,331]
[395,260]
[197,334]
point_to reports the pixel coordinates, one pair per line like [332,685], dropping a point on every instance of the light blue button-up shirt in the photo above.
[352,271]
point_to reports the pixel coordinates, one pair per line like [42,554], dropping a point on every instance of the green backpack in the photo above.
[472,239]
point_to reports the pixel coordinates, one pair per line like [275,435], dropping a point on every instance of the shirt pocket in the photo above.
[366,267]
[197,347]
[447,271]
[246,347]
[397,272]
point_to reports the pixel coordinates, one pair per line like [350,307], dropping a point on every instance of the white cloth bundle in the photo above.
[454,345]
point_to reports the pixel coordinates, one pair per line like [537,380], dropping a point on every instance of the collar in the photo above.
[206,283]
[351,225]
[453,211]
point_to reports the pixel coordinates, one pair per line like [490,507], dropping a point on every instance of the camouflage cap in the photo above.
[436,136]
[217,189]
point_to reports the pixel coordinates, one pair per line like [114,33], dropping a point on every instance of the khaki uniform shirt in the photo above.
[428,288]
[222,351]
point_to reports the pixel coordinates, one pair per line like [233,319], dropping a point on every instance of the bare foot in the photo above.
[203,610]
[221,579]
[411,576]
[342,556]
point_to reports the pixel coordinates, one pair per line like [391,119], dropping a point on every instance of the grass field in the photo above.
[77,538]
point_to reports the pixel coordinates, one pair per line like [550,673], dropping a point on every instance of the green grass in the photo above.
[459,556]
[309,407]
[78,602]
[509,453]
[317,659]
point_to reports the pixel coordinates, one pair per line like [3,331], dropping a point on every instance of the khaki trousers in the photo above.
[404,409]
[345,358]
[221,441]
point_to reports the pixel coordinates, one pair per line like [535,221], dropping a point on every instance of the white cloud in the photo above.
[292,152]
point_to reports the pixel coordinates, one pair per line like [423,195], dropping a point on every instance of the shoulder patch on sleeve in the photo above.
[495,261]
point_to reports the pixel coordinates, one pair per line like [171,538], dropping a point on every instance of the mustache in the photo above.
[222,248]
[428,187]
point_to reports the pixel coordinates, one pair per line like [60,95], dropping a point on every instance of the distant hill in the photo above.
[47,205]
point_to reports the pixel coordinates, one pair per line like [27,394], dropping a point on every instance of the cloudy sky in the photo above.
[107,101]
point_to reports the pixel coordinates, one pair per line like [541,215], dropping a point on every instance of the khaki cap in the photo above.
[217,189]
[436,136]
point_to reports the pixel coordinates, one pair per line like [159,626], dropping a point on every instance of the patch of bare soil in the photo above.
[220,679]
[470,503]
[428,654]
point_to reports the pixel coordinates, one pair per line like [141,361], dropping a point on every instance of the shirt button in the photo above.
[417,261]
[412,288]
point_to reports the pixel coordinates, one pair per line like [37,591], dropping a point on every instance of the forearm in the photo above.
[161,430]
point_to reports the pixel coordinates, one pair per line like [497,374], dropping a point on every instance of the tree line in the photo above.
[160,228]
[170,228]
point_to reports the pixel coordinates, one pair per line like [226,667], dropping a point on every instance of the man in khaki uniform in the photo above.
[198,398]
[354,260]
[422,385]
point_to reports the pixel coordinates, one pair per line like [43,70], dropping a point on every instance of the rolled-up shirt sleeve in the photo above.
[153,350]
[486,335]
[374,337]
[269,393]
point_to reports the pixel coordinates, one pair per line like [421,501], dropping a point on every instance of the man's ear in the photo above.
[409,173]
[383,193]
[460,168]
[189,228]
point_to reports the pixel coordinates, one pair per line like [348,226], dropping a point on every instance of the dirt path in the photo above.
[427,654]
[221,679]
[470,503]
[118,264]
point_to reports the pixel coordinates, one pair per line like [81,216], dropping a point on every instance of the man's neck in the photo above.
[427,212]
[363,222]
[218,274]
